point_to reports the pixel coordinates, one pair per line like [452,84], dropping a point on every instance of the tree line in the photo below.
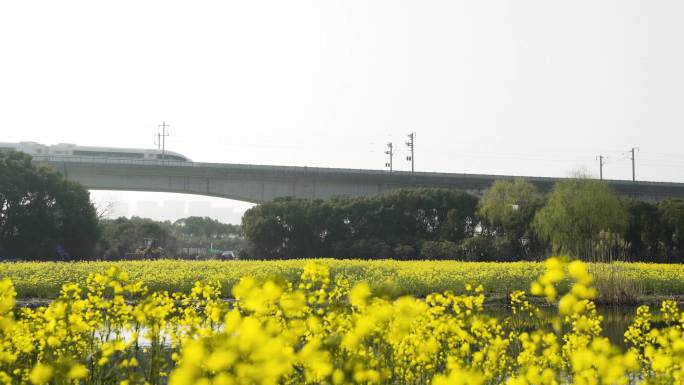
[45,217]
[582,217]
[398,224]
[185,238]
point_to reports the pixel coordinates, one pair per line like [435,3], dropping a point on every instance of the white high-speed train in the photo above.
[67,149]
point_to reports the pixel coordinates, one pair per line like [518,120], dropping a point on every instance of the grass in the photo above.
[616,282]
[616,286]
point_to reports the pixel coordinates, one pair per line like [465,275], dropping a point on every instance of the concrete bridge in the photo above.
[254,183]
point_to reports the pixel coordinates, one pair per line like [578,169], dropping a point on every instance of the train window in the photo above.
[171,157]
[108,154]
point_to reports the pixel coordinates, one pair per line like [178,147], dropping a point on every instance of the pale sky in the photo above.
[515,87]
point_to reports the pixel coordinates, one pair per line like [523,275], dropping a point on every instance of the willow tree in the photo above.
[578,213]
[507,209]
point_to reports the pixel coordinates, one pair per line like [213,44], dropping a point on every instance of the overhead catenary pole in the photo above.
[162,137]
[390,153]
[602,162]
[632,159]
[410,145]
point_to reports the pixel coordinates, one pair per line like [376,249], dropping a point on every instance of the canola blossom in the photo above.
[322,330]
[391,277]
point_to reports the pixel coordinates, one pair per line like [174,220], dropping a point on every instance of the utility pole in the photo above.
[632,159]
[602,162]
[390,153]
[161,137]
[410,146]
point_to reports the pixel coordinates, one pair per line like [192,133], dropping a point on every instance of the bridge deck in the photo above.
[256,183]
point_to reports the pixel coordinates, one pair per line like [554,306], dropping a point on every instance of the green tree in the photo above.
[205,232]
[507,210]
[286,228]
[413,215]
[644,231]
[42,215]
[576,214]
[439,250]
[122,236]
[671,215]
[389,225]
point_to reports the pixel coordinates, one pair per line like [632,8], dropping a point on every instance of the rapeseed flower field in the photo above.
[388,277]
[324,329]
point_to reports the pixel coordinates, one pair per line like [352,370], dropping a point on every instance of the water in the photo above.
[616,319]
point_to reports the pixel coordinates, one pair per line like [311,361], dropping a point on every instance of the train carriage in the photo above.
[72,150]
